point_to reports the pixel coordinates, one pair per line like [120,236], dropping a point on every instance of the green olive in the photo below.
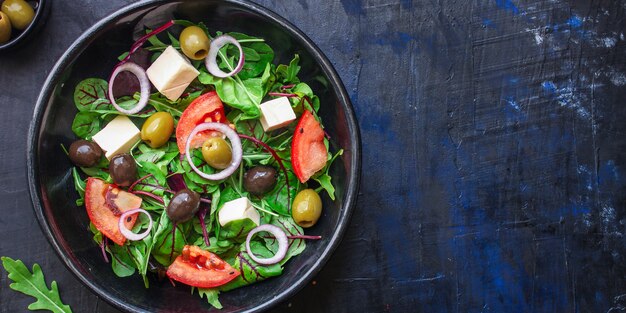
[217,153]
[194,43]
[5,28]
[20,13]
[306,208]
[157,129]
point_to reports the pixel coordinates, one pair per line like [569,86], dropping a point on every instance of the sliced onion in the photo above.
[234,142]
[144,84]
[211,60]
[127,232]
[281,237]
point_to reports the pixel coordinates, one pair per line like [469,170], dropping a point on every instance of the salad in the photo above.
[200,159]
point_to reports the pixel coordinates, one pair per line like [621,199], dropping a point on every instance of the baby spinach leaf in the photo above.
[91,94]
[34,285]
[245,95]
[86,124]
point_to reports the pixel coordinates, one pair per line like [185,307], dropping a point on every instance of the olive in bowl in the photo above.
[19,12]
[19,20]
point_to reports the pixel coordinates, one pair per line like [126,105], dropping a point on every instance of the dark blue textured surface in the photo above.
[494,154]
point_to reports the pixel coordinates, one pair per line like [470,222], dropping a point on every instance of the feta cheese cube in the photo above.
[276,113]
[171,73]
[238,209]
[118,137]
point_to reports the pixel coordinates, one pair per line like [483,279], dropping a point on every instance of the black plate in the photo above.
[93,55]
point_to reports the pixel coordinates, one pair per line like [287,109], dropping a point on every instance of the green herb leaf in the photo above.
[34,284]
[244,95]
[288,74]
[324,179]
[251,271]
[121,262]
[237,230]
[79,185]
[296,246]
[91,94]
[86,124]
[258,55]
[277,197]
[211,295]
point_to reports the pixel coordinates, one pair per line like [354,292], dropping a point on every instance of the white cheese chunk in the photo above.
[238,209]
[276,113]
[118,137]
[171,73]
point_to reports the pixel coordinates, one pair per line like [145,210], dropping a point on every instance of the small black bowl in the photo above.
[41,13]
[94,55]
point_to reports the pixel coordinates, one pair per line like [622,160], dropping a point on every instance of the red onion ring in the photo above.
[234,142]
[144,84]
[211,60]
[127,232]
[281,238]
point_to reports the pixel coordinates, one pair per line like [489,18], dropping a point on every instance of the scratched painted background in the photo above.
[494,154]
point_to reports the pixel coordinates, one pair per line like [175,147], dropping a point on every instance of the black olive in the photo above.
[123,169]
[85,153]
[183,206]
[259,179]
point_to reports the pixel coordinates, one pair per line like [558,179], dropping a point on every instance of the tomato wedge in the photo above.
[206,108]
[105,203]
[202,269]
[308,152]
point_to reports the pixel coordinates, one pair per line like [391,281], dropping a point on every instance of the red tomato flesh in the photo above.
[105,203]
[206,108]
[308,153]
[202,269]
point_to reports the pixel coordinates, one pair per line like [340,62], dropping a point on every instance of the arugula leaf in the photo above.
[34,284]
[324,179]
[79,185]
[211,295]
[91,94]
[86,124]
[258,55]
[288,74]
